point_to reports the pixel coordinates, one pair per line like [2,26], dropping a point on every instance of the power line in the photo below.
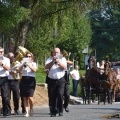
[107,29]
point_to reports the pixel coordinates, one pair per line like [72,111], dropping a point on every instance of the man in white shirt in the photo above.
[56,65]
[4,67]
[14,83]
[75,76]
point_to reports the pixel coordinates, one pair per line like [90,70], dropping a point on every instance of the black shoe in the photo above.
[1,110]
[9,113]
[53,115]
[67,109]
[17,112]
[60,114]
[23,111]
[4,114]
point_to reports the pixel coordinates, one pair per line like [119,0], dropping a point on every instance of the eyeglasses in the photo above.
[28,56]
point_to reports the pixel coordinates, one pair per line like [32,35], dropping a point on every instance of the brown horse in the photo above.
[92,74]
[91,80]
[105,84]
[92,83]
[83,88]
[109,83]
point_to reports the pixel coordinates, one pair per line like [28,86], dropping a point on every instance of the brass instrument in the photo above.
[65,54]
[21,52]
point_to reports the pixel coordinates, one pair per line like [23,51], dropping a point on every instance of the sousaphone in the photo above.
[21,52]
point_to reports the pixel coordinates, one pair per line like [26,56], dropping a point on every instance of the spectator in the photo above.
[75,79]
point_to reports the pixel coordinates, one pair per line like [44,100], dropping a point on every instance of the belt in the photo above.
[4,77]
[56,79]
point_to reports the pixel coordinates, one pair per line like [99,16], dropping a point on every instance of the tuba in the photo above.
[21,52]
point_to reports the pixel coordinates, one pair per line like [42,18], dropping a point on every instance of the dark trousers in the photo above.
[49,93]
[14,88]
[66,89]
[4,94]
[75,86]
[57,92]
[66,95]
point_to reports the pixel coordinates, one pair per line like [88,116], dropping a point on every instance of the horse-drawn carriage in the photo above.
[103,86]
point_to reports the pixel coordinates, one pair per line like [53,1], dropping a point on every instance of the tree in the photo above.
[105,25]
[22,18]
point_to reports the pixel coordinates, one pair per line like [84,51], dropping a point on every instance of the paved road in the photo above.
[77,112]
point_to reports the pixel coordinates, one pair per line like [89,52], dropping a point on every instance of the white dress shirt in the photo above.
[56,72]
[3,72]
[26,71]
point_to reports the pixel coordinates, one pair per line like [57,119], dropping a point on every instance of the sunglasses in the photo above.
[1,51]
[28,56]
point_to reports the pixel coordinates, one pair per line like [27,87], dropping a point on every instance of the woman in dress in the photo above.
[28,83]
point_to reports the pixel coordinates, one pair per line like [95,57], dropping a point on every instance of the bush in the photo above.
[40,75]
[82,66]
[71,88]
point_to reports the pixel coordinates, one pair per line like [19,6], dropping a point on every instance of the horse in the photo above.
[105,85]
[91,80]
[109,83]
[83,88]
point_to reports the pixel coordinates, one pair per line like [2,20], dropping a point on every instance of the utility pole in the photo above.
[54,36]
[95,53]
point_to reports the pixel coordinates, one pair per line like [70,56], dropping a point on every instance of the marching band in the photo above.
[17,76]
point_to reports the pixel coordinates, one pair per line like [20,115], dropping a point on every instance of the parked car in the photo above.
[116,64]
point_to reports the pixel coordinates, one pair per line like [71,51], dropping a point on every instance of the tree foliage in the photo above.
[11,16]
[106,29]
[41,25]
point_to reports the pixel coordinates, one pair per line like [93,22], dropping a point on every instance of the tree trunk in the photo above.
[21,35]
[25,3]
[23,30]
